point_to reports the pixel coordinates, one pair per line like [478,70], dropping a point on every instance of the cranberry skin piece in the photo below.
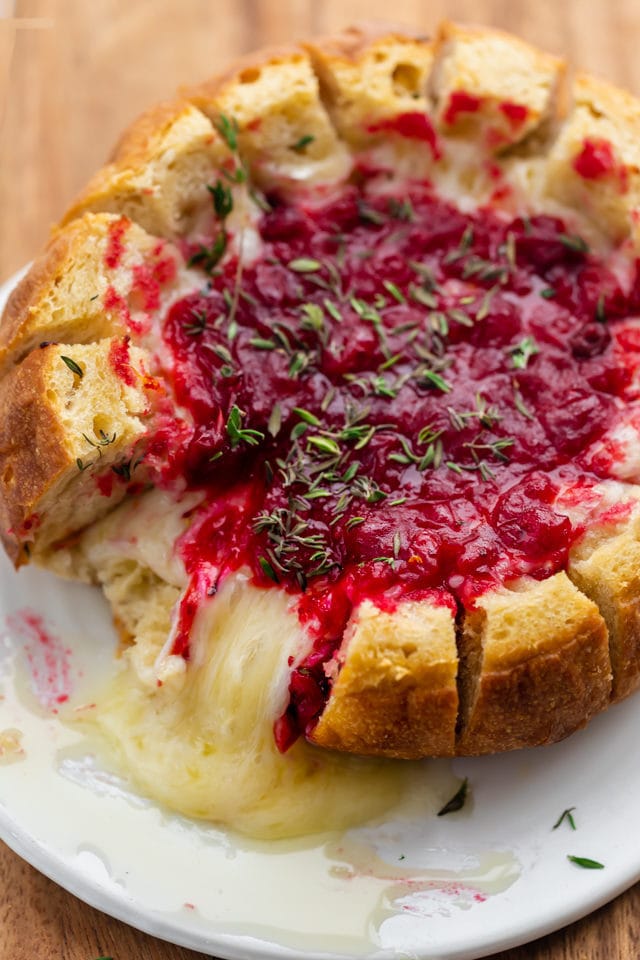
[526,522]
[576,420]
[288,224]
[591,341]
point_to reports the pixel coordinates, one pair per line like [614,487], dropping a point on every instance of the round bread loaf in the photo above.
[355,323]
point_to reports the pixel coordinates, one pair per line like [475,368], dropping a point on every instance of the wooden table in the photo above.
[72,74]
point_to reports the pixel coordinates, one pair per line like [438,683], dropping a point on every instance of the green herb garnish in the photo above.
[522,353]
[457,801]
[73,366]
[301,145]
[222,199]
[304,265]
[239,434]
[585,862]
[565,815]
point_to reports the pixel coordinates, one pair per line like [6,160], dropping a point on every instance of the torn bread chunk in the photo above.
[373,82]
[270,105]
[594,164]
[534,666]
[395,694]
[74,419]
[492,87]
[100,276]
[161,172]
[609,574]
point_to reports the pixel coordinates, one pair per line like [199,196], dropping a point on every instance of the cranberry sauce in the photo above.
[386,404]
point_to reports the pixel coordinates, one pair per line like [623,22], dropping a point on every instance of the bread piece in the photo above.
[534,666]
[395,695]
[99,276]
[160,173]
[493,87]
[594,165]
[610,576]
[64,426]
[284,133]
[371,75]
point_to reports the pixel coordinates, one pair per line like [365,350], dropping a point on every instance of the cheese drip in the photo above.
[203,745]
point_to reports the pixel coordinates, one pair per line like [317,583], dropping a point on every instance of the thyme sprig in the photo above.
[237,433]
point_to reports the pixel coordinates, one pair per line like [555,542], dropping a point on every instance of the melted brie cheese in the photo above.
[197,735]
[205,747]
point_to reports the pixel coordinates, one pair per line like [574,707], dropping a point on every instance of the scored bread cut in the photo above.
[88,379]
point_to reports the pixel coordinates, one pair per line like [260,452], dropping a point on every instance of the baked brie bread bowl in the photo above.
[330,380]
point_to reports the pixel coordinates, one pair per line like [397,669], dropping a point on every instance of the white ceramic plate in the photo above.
[463,886]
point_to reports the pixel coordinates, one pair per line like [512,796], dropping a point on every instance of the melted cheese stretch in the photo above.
[202,741]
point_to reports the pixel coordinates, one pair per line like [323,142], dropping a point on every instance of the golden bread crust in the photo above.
[75,292]
[536,666]
[532,662]
[369,75]
[275,100]
[609,575]
[396,693]
[61,432]
[160,171]
[607,119]
[515,86]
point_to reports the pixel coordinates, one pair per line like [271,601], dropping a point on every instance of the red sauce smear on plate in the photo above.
[48,660]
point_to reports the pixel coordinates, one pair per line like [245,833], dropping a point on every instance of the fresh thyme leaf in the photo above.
[221,352]
[301,145]
[434,379]
[275,420]
[299,361]
[522,353]
[313,319]
[459,316]
[601,316]
[261,344]
[227,127]
[394,291]
[466,241]
[268,569]
[73,366]
[422,296]
[325,445]
[574,242]
[304,265]
[457,801]
[485,306]
[354,522]
[548,293]
[585,862]
[197,325]
[401,209]
[333,310]
[222,199]
[209,257]
[565,815]
[237,433]
[307,416]
[520,405]
[368,214]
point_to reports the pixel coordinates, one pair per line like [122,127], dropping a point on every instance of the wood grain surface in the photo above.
[73,73]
